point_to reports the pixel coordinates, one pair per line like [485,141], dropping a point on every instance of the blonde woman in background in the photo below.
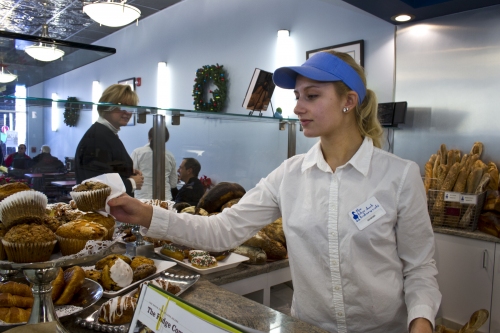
[143,160]
[359,239]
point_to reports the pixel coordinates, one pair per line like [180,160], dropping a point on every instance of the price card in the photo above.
[163,312]
[469,199]
[451,196]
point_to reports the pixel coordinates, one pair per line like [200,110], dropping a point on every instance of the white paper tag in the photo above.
[468,199]
[367,213]
[451,196]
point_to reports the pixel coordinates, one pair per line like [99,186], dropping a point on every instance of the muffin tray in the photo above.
[92,322]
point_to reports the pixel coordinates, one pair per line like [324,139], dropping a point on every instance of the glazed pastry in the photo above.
[172,251]
[204,262]
[118,276]
[143,271]
[110,260]
[197,253]
[58,285]
[163,284]
[118,310]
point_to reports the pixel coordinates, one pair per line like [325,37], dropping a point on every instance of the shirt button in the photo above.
[337,288]
[333,234]
[340,314]
[334,262]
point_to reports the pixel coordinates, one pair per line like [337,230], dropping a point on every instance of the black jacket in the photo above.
[45,162]
[191,192]
[100,151]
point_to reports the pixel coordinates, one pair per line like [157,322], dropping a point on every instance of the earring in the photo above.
[345,110]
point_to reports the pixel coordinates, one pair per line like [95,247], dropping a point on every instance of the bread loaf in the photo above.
[275,231]
[473,179]
[461,180]
[477,148]
[256,256]
[451,159]
[463,161]
[494,177]
[428,173]
[435,168]
[447,185]
[467,217]
[273,249]
[444,153]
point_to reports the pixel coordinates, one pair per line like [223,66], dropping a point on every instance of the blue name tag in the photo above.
[366,213]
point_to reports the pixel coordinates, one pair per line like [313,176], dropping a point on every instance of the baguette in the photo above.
[273,248]
[473,179]
[8,300]
[471,161]
[463,161]
[16,288]
[450,159]
[477,148]
[494,177]
[428,177]
[447,185]
[461,180]
[467,217]
[435,168]
[444,153]
[14,315]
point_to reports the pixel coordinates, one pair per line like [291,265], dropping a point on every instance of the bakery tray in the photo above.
[161,265]
[232,260]
[92,322]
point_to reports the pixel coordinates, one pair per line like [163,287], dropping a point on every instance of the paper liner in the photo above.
[22,207]
[70,246]
[91,200]
[28,252]
[109,235]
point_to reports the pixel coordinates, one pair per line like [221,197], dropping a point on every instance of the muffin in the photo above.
[3,230]
[11,188]
[90,196]
[106,221]
[23,207]
[29,243]
[73,236]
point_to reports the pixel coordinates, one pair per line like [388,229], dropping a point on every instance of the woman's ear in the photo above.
[351,100]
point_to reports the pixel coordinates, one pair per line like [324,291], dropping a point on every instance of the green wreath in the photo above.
[204,75]
[71,111]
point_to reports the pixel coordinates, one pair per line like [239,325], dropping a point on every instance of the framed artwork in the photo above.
[130,82]
[354,49]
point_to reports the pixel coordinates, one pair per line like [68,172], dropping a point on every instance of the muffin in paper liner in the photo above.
[3,254]
[109,235]
[28,252]
[23,207]
[91,200]
[70,246]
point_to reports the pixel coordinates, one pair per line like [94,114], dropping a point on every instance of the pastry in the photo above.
[23,207]
[143,271]
[73,236]
[172,251]
[204,262]
[16,288]
[141,260]
[51,222]
[29,243]
[14,315]
[118,276]
[73,281]
[118,310]
[110,260]
[90,195]
[219,255]
[7,300]
[163,284]
[196,253]
[58,284]
[94,275]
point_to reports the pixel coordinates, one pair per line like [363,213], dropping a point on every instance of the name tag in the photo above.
[367,213]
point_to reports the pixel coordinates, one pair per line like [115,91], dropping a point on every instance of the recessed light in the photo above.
[402,17]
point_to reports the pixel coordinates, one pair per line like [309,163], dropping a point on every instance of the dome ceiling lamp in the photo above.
[44,51]
[5,76]
[111,13]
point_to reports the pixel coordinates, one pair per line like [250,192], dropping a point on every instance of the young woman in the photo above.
[359,238]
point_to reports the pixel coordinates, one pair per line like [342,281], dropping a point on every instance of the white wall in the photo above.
[241,35]
[448,70]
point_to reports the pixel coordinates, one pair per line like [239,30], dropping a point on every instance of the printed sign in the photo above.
[163,312]
[367,213]
[468,199]
[452,196]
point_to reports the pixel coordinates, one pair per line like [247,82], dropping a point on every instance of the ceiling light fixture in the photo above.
[44,52]
[6,76]
[111,13]
[402,17]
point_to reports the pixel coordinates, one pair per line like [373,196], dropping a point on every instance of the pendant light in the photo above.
[44,51]
[111,13]
[6,77]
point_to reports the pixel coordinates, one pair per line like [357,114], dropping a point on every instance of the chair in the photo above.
[52,192]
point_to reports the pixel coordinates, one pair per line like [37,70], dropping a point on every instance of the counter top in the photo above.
[479,235]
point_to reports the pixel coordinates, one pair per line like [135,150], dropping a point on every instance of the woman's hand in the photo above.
[129,210]
[139,181]
[420,325]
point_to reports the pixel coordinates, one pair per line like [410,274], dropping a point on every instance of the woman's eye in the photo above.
[312,96]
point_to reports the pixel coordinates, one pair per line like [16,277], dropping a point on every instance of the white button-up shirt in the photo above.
[143,161]
[345,280]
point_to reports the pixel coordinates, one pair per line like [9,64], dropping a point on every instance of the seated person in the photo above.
[19,160]
[193,189]
[45,162]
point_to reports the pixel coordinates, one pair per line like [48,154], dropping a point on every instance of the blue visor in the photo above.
[324,67]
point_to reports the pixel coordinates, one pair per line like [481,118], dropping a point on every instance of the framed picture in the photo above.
[130,82]
[354,49]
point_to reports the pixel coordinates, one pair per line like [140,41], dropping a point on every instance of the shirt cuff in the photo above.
[134,186]
[421,311]
[159,223]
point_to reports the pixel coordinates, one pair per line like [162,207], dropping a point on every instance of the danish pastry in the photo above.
[110,260]
[118,310]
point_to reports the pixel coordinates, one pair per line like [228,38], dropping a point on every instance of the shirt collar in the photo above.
[106,123]
[360,161]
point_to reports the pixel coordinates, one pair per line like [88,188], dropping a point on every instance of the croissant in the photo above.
[16,288]
[14,315]
[7,300]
